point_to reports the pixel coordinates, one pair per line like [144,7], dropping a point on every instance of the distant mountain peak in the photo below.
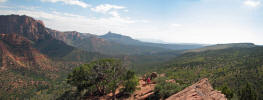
[111,35]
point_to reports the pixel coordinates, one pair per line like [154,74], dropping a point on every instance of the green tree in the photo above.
[115,76]
[248,93]
[227,91]
[164,89]
[98,77]
[130,83]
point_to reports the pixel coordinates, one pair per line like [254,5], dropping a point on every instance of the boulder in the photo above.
[201,90]
[153,75]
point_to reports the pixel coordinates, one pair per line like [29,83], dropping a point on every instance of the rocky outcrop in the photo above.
[154,75]
[69,35]
[201,90]
[34,30]
[24,26]
[144,90]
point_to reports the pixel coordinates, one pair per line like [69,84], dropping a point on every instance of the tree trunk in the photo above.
[114,95]
[99,89]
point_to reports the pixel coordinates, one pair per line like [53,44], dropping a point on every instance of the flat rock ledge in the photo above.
[201,90]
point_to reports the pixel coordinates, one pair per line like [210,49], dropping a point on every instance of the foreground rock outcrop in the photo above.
[201,90]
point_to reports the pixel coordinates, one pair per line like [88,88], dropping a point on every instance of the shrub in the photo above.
[165,89]
[98,77]
[102,77]
[227,91]
[130,83]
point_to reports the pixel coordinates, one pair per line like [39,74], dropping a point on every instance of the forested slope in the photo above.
[234,67]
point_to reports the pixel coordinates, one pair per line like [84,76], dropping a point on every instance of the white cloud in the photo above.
[112,10]
[114,14]
[176,25]
[1,1]
[69,2]
[104,8]
[252,3]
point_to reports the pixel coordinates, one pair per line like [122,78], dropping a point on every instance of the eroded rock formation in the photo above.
[201,90]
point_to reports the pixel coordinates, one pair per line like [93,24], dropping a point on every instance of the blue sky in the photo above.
[175,21]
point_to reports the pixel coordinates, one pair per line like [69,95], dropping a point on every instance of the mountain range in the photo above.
[116,44]
[129,41]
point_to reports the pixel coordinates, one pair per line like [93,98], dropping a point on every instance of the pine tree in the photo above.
[248,93]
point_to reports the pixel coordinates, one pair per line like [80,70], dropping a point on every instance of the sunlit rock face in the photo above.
[201,90]
[23,25]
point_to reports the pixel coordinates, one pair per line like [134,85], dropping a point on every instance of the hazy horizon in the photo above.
[178,21]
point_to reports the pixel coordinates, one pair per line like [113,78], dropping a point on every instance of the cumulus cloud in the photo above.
[69,2]
[1,1]
[252,3]
[109,9]
[104,8]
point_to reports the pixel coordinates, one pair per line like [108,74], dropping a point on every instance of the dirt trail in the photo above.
[143,92]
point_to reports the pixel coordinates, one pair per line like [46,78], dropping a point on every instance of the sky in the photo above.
[173,21]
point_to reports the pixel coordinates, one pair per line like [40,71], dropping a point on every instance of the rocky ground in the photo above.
[144,90]
[201,90]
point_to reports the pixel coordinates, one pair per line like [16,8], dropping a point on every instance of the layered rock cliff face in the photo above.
[24,26]
[50,42]
[34,29]
[201,90]
[70,37]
